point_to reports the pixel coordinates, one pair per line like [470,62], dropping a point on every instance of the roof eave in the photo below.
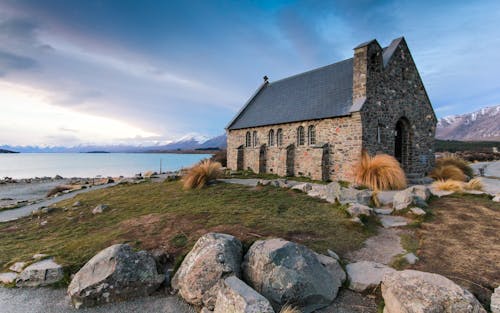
[228,127]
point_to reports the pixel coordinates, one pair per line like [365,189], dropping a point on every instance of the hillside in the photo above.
[7,151]
[482,125]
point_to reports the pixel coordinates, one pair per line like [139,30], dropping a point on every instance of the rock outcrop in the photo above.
[414,195]
[200,276]
[237,297]
[116,273]
[41,273]
[495,301]
[420,292]
[288,273]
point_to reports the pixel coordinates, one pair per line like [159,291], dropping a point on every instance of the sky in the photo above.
[149,72]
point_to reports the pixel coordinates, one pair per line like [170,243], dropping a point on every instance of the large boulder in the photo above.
[201,274]
[116,273]
[495,301]
[288,273]
[334,192]
[365,275]
[237,297]
[41,273]
[414,195]
[420,292]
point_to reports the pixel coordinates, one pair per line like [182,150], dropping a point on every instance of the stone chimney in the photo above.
[367,62]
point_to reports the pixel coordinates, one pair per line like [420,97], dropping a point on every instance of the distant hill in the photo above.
[7,151]
[482,125]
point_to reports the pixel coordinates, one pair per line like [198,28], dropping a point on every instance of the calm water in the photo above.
[27,165]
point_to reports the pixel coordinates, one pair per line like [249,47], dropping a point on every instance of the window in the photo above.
[279,137]
[379,136]
[311,135]
[271,138]
[300,136]
[248,141]
[255,139]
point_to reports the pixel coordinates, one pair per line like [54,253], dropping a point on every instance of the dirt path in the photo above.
[381,248]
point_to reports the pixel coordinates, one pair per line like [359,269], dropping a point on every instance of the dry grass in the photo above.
[201,174]
[381,172]
[446,172]
[448,185]
[474,184]
[289,309]
[455,161]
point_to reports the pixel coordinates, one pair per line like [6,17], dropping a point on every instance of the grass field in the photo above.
[162,215]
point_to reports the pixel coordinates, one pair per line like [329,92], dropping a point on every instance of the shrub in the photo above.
[458,162]
[381,172]
[201,174]
[221,157]
[474,184]
[445,172]
[448,185]
[289,309]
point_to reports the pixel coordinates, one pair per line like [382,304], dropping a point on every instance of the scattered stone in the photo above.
[410,258]
[496,198]
[116,273]
[440,193]
[39,256]
[393,221]
[263,182]
[357,209]
[286,272]
[333,254]
[99,209]
[385,197]
[305,187]
[384,211]
[495,301]
[18,267]
[414,291]
[201,274]
[41,273]
[237,297]
[43,223]
[417,211]
[365,275]
[77,204]
[8,278]
[416,195]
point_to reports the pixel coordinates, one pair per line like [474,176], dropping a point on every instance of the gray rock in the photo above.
[357,209]
[18,267]
[263,182]
[386,197]
[384,211]
[288,273]
[317,191]
[496,198]
[440,193]
[41,273]
[116,273]
[495,301]
[351,195]
[333,254]
[77,204]
[305,187]
[393,221]
[410,258]
[201,274]
[417,211]
[8,278]
[100,209]
[333,267]
[237,297]
[416,195]
[365,275]
[39,256]
[420,292]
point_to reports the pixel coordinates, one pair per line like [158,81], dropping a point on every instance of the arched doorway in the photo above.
[262,159]
[402,142]
[240,158]
[290,160]
[325,163]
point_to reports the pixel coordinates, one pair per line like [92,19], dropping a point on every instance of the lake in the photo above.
[28,165]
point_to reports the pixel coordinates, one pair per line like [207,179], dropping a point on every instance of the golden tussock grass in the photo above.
[289,309]
[201,174]
[474,184]
[455,161]
[381,172]
[448,185]
[445,172]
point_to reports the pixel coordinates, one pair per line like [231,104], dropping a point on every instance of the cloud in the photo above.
[10,61]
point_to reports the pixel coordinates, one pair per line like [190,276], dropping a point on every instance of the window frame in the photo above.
[255,139]
[300,136]
[248,139]
[270,138]
[311,135]
[279,137]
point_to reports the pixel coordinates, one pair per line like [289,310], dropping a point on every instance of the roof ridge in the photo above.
[309,71]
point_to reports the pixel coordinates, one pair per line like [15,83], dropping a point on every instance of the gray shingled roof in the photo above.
[320,93]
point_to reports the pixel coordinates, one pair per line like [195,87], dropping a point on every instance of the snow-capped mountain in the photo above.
[482,125]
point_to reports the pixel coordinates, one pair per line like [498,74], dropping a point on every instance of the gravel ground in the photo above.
[47,300]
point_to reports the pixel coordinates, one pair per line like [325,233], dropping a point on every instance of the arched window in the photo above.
[279,137]
[248,140]
[271,138]
[311,135]
[300,136]
[255,139]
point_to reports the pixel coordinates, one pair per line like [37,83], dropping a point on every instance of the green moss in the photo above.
[179,241]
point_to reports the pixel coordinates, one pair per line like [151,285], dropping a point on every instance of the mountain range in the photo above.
[482,125]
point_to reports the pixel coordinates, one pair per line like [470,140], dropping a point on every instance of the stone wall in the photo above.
[342,135]
[396,92]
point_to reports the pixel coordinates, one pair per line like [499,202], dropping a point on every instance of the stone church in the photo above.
[317,123]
